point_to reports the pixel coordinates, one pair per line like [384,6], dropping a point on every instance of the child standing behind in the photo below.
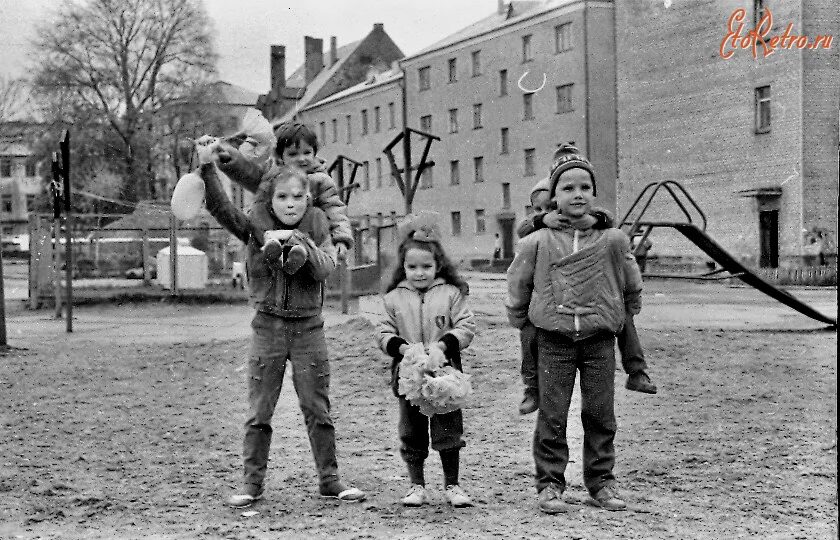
[425,302]
[575,284]
[286,283]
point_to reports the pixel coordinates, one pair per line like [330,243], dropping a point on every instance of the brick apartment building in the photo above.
[20,181]
[639,86]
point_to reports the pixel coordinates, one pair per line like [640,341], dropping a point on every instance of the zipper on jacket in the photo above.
[575,250]
[422,301]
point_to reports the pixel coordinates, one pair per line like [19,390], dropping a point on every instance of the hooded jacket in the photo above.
[576,280]
[271,289]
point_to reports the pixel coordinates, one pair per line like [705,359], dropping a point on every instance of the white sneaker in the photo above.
[416,496]
[458,497]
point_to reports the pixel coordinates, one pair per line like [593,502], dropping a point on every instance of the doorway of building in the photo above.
[768,232]
[506,230]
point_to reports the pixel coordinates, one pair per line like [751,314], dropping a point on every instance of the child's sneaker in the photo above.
[416,496]
[338,490]
[529,403]
[551,500]
[251,494]
[640,382]
[458,498]
[295,259]
[608,499]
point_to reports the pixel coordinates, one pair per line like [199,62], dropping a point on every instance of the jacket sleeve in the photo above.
[242,170]
[520,280]
[530,225]
[463,323]
[389,334]
[321,258]
[220,207]
[632,276]
[326,197]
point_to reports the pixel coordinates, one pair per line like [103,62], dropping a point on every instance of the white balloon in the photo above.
[188,196]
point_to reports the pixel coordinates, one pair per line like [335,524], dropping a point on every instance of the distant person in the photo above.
[497,248]
[575,284]
[813,251]
[426,303]
[287,268]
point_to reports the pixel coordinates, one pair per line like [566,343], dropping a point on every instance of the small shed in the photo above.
[191,268]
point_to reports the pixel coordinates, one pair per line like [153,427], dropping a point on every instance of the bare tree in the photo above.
[14,98]
[118,61]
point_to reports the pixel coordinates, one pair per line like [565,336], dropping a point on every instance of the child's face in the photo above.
[289,201]
[540,201]
[420,268]
[300,155]
[574,193]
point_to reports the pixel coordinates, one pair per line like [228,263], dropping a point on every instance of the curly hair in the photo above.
[445,268]
[292,134]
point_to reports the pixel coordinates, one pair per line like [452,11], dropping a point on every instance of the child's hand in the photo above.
[207,148]
[279,235]
[552,219]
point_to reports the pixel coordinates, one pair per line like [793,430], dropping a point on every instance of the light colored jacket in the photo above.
[426,316]
[576,282]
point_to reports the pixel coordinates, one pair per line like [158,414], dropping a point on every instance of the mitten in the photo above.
[551,219]
[295,256]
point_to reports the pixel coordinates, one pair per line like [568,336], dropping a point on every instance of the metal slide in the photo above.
[698,236]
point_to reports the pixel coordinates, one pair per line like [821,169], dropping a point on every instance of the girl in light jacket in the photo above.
[425,302]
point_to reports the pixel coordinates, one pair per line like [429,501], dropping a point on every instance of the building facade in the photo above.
[753,140]
[20,182]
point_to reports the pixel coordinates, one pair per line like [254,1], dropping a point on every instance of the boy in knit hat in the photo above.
[575,284]
[632,355]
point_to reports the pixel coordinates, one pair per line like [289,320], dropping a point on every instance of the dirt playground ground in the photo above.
[131,427]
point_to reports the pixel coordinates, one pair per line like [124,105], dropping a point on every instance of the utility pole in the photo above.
[61,176]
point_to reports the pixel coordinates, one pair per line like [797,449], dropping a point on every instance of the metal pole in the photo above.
[173,255]
[64,145]
[406,145]
[3,342]
[57,266]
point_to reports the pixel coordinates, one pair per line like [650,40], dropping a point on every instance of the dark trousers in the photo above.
[414,428]
[559,360]
[275,341]
[632,355]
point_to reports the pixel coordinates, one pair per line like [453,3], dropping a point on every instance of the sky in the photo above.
[245,29]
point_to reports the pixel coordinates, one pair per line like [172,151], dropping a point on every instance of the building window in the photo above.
[426,123]
[31,168]
[426,179]
[30,202]
[453,120]
[6,203]
[323,133]
[529,161]
[5,167]
[392,116]
[335,130]
[478,167]
[366,167]
[454,173]
[480,226]
[526,49]
[759,9]
[379,172]
[364,122]
[506,195]
[762,109]
[424,75]
[477,116]
[503,82]
[377,120]
[476,63]
[528,106]
[563,37]
[453,70]
[564,98]
[456,223]
[349,129]
[504,141]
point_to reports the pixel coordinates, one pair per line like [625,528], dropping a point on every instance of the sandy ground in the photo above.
[131,428]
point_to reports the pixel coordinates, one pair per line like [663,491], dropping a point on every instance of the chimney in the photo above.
[378,27]
[333,51]
[501,9]
[278,67]
[313,55]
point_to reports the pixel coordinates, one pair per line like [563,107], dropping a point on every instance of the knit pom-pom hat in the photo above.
[568,156]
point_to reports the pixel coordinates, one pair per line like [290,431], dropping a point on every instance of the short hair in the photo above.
[292,134]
